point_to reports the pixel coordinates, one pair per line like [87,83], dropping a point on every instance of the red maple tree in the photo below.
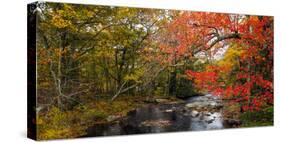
[193,33]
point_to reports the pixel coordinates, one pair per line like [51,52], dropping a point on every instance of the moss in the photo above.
[58,124]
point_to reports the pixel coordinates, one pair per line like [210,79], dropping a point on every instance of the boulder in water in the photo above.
[194,113]
[161,100]
[190,105]
[169,110]
[156,123]
[210,121]
[208,114]
[113,117]
[232,122]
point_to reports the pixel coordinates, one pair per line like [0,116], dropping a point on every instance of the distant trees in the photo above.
[94,50]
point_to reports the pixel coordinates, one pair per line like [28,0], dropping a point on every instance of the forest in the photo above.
[96,64]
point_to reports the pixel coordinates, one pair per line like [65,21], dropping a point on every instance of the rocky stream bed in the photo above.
[195,114]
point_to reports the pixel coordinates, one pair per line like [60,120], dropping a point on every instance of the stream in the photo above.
[195,114]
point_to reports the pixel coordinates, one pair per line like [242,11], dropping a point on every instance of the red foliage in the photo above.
[257,38]
[194,32]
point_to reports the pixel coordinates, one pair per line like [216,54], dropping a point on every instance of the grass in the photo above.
[263,117]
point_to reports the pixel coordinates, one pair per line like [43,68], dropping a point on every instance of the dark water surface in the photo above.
[164,118]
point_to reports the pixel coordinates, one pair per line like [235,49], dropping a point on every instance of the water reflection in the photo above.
[162,118]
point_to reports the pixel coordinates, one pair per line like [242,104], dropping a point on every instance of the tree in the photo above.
[93,49]
[251,74]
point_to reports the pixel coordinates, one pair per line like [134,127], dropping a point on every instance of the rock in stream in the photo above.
[196,114]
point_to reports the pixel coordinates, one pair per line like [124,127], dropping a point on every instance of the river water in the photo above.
[196,114]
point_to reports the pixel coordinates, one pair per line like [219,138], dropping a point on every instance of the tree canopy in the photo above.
[87,52]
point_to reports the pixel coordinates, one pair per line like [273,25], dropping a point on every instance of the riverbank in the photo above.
[147,114]
[234,118]
[58,124]
[194,114]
